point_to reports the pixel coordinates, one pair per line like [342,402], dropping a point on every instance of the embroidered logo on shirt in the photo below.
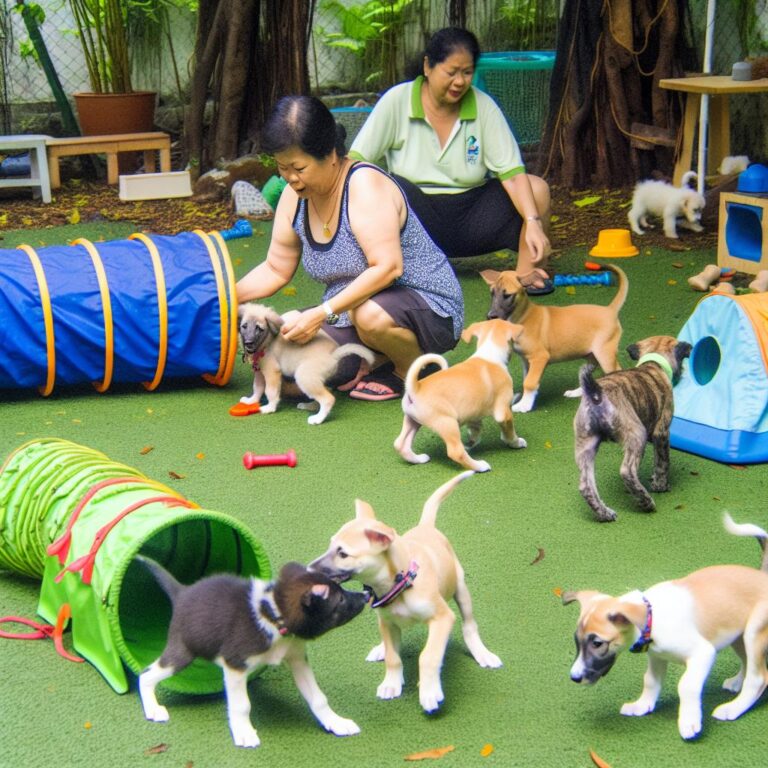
[473,150]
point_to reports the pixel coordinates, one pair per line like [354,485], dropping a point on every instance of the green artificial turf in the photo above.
[522,532]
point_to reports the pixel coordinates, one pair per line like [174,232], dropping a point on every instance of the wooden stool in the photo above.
[742,240]
[38,178]
[111,146]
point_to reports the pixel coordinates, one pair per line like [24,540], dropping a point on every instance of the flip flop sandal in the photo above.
[378,388]
[533,290]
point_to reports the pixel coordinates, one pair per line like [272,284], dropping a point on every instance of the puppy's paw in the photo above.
[244,735]
[733,684]
[341,726]
[430,696]
[659,486]
[481,466]
[376,653]
[729,711]
[689,729]
[157,713]
[312,405]
[606,515]
[250,400]
[417,458]
[572,392]
[318,418]
[268,408]
[488,660]
[518,442]
[672,236]
[391,688]
[636,708]
[525,403]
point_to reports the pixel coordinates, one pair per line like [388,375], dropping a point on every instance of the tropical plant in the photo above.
[372,31]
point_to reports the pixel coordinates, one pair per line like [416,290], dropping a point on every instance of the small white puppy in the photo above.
[658,198]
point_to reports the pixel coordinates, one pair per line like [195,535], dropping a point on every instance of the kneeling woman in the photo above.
[387,284]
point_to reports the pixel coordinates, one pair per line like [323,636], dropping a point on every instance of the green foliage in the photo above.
[27,49]
[371,31]
[526,25]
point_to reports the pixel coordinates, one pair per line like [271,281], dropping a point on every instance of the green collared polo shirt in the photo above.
[480,142]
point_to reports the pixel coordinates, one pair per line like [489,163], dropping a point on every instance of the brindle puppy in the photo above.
[630,407]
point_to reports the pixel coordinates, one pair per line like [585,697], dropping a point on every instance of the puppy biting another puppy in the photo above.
[553,334]
[630,407]
[675,205]
[273,357]
[413,577]
[240,624]
[685,620]
[463,394]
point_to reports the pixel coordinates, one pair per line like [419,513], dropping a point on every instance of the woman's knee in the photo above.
[369,318]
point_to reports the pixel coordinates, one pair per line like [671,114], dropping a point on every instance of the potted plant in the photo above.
[112,106]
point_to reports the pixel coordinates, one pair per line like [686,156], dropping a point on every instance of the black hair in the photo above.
[303,122]
[447,41]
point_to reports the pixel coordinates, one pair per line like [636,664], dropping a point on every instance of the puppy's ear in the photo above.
[380,538]
[274,321]
[633,350]
[583,597]
[241,310]
[469,333]
[363,510]
[318,592]
[682,350]
[490,275]
[628,613]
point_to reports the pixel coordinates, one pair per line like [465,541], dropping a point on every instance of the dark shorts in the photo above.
[409,310]
[480,220]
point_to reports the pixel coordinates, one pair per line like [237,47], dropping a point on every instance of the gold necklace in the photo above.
[327,224]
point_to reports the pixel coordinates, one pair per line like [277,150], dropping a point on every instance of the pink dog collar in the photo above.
[403,580]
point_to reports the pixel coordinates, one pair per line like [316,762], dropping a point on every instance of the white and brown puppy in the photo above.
[687,621]
[413,577]
[553,334]
[632,407]
[273,357]
[451,397]
[240,624]
[681,206]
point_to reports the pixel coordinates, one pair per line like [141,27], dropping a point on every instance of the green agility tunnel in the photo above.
[74,518]
[135,310]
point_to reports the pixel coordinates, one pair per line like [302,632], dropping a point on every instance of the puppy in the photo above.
[272,357]
[686,620]
[239,624]
[554,334]
[674,205]
[413,577]
[632,408]
[477,387]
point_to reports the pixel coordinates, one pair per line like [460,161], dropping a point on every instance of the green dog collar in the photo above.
[655,357]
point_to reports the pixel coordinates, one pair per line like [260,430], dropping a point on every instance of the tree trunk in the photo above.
[610,57]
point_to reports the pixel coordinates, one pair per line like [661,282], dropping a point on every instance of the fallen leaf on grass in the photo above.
[694,473]
[716,498]
[158,749]
[289,291]
[597,760]
[175,475]
[486,750]
[591,200]
[557,591]
[680,506]
[547,443]
[430,754]
[737,466]
[678,264]
[539,556]
[677,247]
[200,455]
[147,449]
[671,282]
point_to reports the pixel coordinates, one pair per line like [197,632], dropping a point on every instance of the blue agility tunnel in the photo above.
[135,310]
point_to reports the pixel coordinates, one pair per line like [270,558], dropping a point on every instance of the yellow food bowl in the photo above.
[614,243]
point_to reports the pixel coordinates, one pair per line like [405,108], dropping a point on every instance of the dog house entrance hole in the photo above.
[705,360]
[744,231]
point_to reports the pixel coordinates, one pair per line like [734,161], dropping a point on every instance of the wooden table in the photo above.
[719,88]
[38,178]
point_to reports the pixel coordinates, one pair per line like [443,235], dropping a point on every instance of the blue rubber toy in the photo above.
[603,278]
[241,228]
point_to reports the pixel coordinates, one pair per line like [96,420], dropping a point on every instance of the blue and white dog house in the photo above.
[721,400]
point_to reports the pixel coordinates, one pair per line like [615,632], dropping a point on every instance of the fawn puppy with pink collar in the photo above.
[463,394]
[685,620]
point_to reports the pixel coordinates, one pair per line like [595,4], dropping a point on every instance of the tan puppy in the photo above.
[686,620]
[554,334]
[414,577]
[310,364]
[477,387]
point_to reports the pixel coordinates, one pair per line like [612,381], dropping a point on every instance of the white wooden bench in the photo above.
[111,146]
[38,178]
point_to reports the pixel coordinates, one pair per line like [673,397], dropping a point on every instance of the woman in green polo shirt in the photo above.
[450,147]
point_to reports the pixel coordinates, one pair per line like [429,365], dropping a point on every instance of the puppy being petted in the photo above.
[463,394]
[273,357]
[240,624]
[686,621]
[631,407]
[413,577]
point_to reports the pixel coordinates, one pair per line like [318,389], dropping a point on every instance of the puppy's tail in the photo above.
[688,178]
[429,513]
[412,377]
[621,294]
[170,586]
[353,349]
[748,529]
[590,389]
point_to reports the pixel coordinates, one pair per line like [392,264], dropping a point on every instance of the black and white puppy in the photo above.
[240,624]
